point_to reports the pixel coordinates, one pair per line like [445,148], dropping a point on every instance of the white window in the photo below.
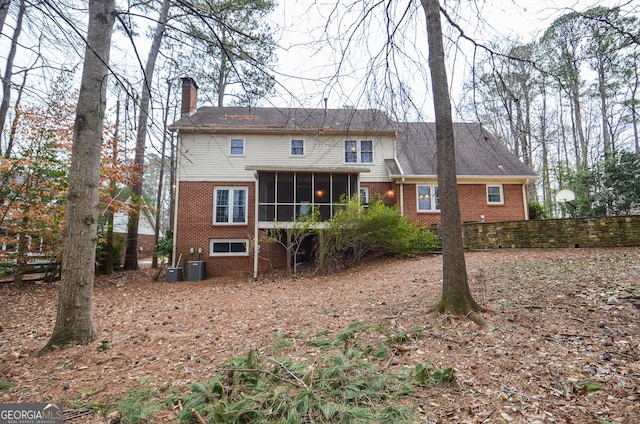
[364,195]
[366,151]
[236,146]
[494,195]
[230,205]
[297,147]
[351,151]
[428,198]
[229,248]
[358,151]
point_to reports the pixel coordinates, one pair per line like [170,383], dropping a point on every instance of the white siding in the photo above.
[121,219]
[205,157]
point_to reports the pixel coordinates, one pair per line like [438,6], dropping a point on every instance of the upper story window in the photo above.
[236,146]
[358,151]
[230,205]
[495,195]
[297,147]
[428,198]
[366,151]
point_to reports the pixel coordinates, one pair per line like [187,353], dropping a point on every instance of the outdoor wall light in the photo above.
[390,193]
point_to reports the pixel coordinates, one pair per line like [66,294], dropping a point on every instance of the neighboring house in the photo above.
[146,231]
[146,225]
[240,170]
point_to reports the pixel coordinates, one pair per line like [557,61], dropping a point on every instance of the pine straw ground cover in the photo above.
[562,344]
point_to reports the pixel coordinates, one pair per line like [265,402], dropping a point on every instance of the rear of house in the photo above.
[242,170]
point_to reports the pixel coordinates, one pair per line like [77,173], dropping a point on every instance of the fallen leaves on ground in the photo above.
[562,344]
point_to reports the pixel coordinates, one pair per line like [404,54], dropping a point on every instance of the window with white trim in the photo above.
[358,151]
[364,195]
[229,248]
[495,195]
[297,147]
[366,151]
[428,198]
[230,205]
[236,146]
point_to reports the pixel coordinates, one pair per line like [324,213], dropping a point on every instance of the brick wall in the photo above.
[623,231]
[146,242]
[195,229]
[388,192]
[473,204]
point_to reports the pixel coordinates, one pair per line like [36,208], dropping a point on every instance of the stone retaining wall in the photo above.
[616,231]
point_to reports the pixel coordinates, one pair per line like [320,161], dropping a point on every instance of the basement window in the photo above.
[229,248]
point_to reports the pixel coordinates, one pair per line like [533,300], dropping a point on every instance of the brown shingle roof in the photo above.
[478,153]
[286,119]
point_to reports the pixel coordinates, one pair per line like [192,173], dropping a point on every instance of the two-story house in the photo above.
[242,169]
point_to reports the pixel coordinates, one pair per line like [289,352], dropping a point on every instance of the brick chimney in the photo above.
[189,96]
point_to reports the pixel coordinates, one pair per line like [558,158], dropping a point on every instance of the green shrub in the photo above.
[356,233]
[164,246]
[536,210]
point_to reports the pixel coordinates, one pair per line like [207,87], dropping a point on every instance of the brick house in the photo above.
[241,169]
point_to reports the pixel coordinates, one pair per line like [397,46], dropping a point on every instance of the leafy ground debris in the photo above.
[562,344]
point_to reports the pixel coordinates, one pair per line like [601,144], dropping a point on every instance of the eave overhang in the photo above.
[468,179]
[327,169]
[326,131]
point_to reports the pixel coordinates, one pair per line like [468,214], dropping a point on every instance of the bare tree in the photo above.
[456,294]
[131,252]
[74,319]
[4,9]
[6,78]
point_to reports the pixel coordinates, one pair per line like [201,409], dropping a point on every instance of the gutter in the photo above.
[342,132]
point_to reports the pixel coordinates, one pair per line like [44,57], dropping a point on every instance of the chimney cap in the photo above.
[189,80]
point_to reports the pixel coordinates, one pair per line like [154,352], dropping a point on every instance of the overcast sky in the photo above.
[312,66]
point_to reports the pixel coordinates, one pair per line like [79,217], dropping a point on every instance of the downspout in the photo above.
[176,206]
[256,246]
[402,196]
[524,200]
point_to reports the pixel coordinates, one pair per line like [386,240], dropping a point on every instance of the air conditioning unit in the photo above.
[174,275]
[197,270]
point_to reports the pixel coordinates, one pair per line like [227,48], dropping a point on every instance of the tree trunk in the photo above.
[582,142]
[602,90]
[165,134]
[634,112]
[222,78]
[131,253]
[74,319]
[636,138]
[16,118]
[113,192]
[6,79]
[4,9]
[546,175]
[456,294]
[21,257]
